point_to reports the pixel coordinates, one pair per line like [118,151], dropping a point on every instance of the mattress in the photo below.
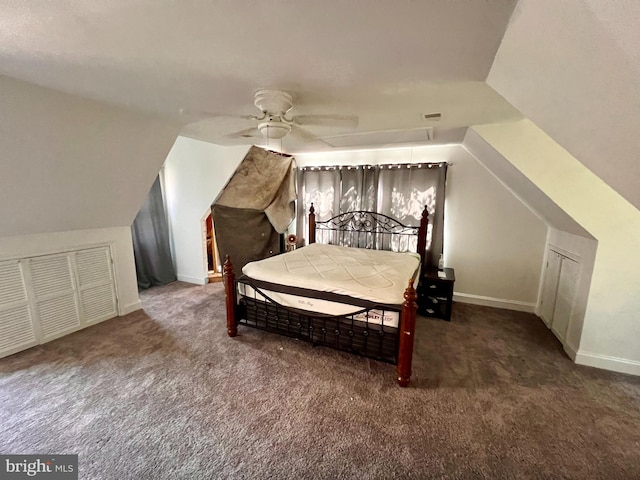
[376,316]
[374,275]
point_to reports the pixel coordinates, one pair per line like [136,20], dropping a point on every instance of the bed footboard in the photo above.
[390,344]
[371,331]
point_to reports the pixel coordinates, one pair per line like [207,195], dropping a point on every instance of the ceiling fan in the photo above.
[274,121]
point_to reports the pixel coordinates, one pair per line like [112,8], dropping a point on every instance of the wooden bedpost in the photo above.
[422,237]
[312,224]
[230,296]
[407,332]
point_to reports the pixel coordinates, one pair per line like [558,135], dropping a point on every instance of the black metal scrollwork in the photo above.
[363,221]
[367,230]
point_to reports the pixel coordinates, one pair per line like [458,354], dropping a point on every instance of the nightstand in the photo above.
[435,293]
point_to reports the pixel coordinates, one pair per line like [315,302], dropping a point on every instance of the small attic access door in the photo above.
[45,297]
[561,275]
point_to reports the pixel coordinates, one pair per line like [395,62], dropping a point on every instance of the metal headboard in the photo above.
[364,229]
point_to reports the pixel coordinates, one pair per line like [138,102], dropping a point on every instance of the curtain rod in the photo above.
[381,165]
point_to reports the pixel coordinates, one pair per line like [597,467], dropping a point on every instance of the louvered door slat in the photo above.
[94,266]
[55,296]
[12,288]
[50,275]
[58,316]
[95,280]
[98,303]
[16,330]
[16,325]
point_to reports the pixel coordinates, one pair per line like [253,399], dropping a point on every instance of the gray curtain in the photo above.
[150,233]
[358,188]
[334,190]
[399,191]
[403,192]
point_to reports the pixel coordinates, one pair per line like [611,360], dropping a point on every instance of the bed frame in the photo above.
[382,342]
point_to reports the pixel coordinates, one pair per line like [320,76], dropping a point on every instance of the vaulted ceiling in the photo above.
[572,67]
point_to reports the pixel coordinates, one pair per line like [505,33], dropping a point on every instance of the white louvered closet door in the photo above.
[16,324]
[96,285]
[46,297]
[55,295]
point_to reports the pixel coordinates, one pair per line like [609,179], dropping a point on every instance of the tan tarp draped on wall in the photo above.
[264,181]
[256,205]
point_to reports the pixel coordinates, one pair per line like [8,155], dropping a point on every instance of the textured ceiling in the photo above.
[387,61]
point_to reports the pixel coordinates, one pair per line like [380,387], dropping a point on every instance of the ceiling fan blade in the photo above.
[246,133]
[202,114]
[303,133]
[339,121]
[300,140]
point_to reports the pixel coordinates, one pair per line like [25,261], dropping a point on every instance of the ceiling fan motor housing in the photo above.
[273,102]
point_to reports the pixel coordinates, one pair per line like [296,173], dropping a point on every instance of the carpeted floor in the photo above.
[164,393]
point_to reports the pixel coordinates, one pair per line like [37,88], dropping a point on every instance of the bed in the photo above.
[352,288]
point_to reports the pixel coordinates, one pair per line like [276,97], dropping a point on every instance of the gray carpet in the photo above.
[164,393]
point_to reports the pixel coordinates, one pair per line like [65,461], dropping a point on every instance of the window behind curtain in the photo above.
[399,191]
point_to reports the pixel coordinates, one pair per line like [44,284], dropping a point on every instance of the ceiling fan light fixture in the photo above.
[273,129]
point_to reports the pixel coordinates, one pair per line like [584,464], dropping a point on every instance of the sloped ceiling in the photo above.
[573,68]
[387,61]
[73,164]
[519,185]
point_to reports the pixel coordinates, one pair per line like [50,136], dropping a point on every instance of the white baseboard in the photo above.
[494,302]
[615,364]
[132,307]
[569,350]
[190,279]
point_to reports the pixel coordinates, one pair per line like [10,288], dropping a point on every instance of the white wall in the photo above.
[495,242]
[611,329]
[492,240]
[194,173]
[563,231]
[119,238]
